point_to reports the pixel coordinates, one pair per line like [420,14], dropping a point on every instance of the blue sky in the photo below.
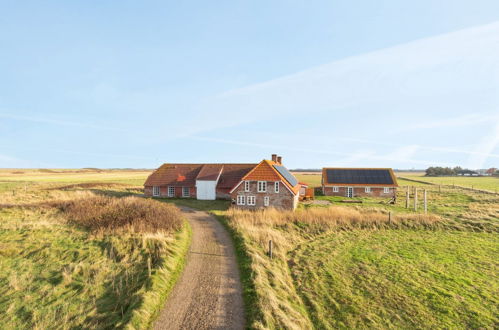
[403,84]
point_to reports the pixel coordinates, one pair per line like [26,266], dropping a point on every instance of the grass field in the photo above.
[345,266]
[58,274]
[484,182]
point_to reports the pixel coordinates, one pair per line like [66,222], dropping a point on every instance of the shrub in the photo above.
[132,213]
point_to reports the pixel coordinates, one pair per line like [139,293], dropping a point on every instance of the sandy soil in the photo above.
[208,295]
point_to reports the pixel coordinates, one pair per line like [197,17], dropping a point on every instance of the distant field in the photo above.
[485,182]
[313,179]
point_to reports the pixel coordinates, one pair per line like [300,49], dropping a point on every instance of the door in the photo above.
[349,191]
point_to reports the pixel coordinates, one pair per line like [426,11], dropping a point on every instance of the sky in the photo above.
[357,83]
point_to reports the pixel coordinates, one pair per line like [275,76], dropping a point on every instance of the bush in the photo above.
[132,213]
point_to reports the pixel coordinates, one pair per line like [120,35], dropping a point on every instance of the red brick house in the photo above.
[247,185]
[268,184]
[359,182]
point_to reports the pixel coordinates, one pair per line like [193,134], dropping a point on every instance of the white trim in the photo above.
[266,201]
[276,187]
[350,189]
[251,200]
[169,190]
[247,186]
[386,190]
[264,186]
[241,200]
[336,189]
[154,192]
[188,192]
[367,189]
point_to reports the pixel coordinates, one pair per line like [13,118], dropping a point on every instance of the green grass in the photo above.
[314,180]
[485,183]
[54,274]
[399,279]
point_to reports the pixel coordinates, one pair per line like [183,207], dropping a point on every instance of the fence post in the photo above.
[425,202]
[390,218]
[416,199]
[270,249]
[407,198]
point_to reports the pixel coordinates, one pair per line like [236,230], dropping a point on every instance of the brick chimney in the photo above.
[279,160]
[274,158]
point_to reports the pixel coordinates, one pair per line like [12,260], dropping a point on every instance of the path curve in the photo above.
[208,295]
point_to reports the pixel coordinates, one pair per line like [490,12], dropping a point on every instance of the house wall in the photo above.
[284,199]
[163,192]
[359,191]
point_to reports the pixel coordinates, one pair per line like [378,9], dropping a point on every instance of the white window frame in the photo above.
[156,191]
[386,190]
[241,200]
[184,189]
[246,186]
[276,187]
[266,201]
[171,191]
[251,200]
[262,186]
[367,189]
[336,189]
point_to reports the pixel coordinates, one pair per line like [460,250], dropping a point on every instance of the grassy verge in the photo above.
[162,282]
[60,266]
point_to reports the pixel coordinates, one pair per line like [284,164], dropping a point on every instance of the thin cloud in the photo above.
[57,122]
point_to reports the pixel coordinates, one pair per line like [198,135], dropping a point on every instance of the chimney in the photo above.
[274,158]
[279,160]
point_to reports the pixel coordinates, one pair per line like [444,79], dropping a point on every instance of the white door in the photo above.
[206,190]
[349,191]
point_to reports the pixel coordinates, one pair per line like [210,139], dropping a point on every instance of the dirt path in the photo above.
[208,295]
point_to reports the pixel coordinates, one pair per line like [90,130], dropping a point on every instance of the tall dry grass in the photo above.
[278,301]
[130,213]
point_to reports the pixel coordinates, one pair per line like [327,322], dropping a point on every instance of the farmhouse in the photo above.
[359,182]
[249,186]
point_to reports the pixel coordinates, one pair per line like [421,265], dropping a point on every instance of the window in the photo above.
[336,189]
[186,192]
[266,201]
[251,200]
[155,191]
[368,189]
[171,191]
[276,186]
[262,186]
[241,199]
[246,186]
[386,190]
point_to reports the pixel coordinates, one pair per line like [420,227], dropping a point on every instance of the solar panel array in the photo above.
[358,176]
[286,174]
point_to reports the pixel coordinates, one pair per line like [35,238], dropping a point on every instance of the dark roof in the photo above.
[185,175]
[210,172]
[286,174]
[359,176]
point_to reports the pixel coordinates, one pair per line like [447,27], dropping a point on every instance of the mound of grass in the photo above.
[130,213]
[399,279]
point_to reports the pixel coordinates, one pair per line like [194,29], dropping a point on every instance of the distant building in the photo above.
[359,182]
[249,186]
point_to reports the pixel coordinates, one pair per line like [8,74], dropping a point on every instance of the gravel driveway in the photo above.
[208,294]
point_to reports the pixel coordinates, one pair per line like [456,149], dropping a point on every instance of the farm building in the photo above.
[248,185]
[359,182]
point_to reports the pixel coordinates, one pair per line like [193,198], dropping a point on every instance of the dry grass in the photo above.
[130,213]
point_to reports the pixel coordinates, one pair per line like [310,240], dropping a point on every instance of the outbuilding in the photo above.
[359,182]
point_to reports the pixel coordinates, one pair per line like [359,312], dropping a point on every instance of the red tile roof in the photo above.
[185,175]
[265,171]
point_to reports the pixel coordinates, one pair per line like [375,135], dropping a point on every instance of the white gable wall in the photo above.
[206,190]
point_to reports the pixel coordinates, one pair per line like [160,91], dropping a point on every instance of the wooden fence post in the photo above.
[407,199]
[425,202]
[270,249]
[390,218]
[416,199]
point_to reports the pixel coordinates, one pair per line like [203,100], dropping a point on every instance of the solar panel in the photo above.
[286,174]
[357,176]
